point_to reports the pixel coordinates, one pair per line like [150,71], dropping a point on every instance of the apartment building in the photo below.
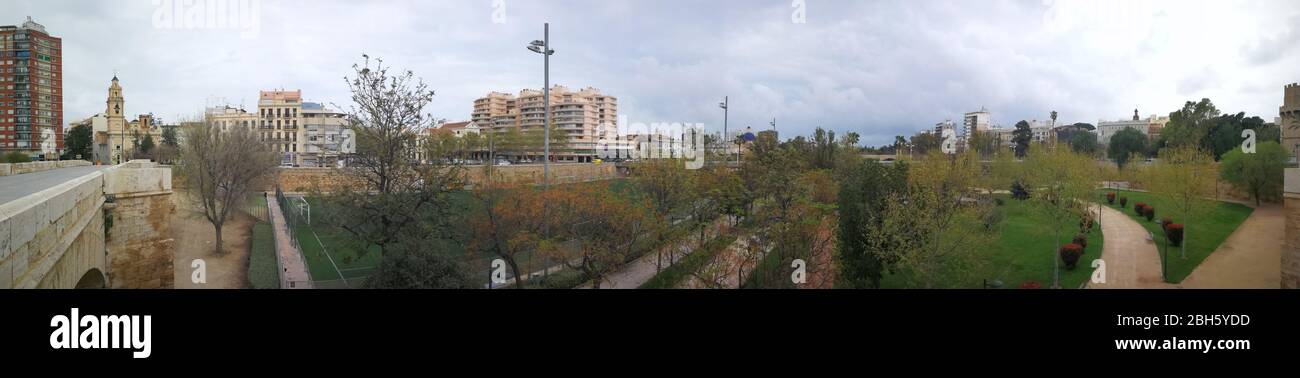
[588,118]
[31,90]
[326,138]
[279,117]
[227,118]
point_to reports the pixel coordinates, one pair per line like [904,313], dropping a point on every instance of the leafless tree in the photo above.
[220,169]
[392,200]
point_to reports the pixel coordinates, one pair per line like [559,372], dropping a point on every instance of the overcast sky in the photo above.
[879,68]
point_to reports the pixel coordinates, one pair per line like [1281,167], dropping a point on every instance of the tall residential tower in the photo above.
[31,90]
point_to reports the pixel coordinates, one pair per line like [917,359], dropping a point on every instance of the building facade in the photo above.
[279,117]
[326,138]
[1289,119]
[31,90]
[119,140]
[587,118]
[98,125]
[1150,127]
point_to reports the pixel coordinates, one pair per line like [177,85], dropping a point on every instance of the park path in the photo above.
[293,268]
[632,275]
[1251,258]
[1132,261]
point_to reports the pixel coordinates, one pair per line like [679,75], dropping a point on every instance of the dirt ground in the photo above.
[1251,258]
[194,240]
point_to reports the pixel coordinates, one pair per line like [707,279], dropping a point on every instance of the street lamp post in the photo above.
[544,47]
[724,105]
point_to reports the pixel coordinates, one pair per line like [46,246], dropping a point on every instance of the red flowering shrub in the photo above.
[1070,254]
[1123,202]
[1138,207]
[1149,212]
[1110,198]
[1081,240]
[1031,285]
[1174,232]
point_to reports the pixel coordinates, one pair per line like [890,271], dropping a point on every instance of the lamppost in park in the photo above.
[723,105]
[544,47]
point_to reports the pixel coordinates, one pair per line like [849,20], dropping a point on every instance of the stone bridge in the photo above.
[82,226]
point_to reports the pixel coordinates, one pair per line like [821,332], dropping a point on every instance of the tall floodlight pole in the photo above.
[544,47]
[723,105]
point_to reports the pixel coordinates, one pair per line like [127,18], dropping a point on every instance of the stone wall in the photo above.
[140,255]
[37,166]
[1291,243]
[41,236]
[304,179]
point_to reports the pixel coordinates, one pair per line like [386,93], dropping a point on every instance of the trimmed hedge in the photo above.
[263,272]
[1070,254]
[1174,232]
[677,273]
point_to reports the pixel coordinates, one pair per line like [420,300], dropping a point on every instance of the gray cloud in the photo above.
[879,68]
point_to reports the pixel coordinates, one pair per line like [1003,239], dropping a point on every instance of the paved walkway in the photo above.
[13,187]
[1132,261]
[293,268]
[637,272]
[1251,258]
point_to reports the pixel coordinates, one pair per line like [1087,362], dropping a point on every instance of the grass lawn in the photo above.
[349,261]
[262,271]
[1203,235]
[1026,249]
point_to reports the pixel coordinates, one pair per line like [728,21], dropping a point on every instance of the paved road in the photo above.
[13,187]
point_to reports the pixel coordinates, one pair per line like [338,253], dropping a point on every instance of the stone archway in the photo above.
[93,279]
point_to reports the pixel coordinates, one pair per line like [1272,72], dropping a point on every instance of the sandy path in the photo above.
[1251,258]
[1132,261]
[194,240]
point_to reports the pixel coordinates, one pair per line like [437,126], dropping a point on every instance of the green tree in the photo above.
[1258,173]
[667,184]
[1085,143]
[1125,144]
[985,143]
[1061,181]
[146,146]
[1021,137]
[1184,178]
[1189,125]
[1225,131]
[169,137]
[79,143]
[931,231]
[866,187]
[923,143]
